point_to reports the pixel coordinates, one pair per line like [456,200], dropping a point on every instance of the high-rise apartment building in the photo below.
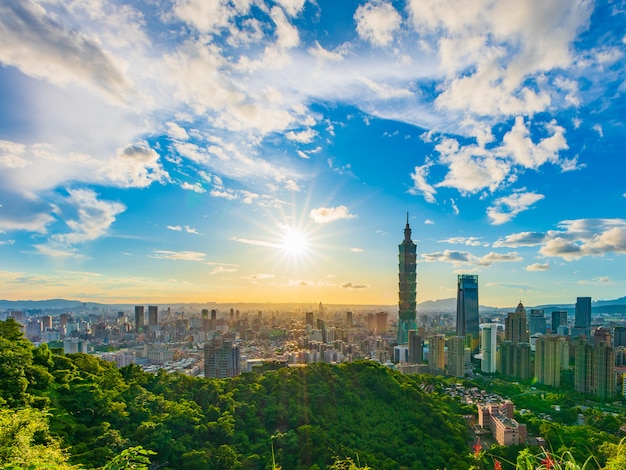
[415,348]
[381,323]
[619,337]
[139,318]
[515,329]
[594,369]
[456,356]
[559,318]
[515,349]
[221,359]
[467,319]
[551,356]
[488,344]
[309,318]
[407,285]
[436,354]
[582,316]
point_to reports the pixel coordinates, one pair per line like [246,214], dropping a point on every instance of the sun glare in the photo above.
[294,242]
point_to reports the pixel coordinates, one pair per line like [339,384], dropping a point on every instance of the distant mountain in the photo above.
[52,304]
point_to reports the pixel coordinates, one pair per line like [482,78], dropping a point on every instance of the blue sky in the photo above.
[251,150]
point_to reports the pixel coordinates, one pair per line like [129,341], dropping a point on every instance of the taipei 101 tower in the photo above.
[407,285]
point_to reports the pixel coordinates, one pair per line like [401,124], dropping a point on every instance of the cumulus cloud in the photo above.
[303,137]
[538,267]
[574,239]
[324,215]
[469,241]
[376,22]
[506,208]
[175,131]
[178,255]
[458,258]
[195,187]
[521,239]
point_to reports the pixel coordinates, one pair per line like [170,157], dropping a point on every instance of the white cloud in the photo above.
[324,215]
[324,54]
[291,7]
[420,185]
[175,131]
[353,286]
[260,276]
[469,241]
[506,208]
[429,222]
[301,154]
[291,185]
[196,187]
[303,137]
[598,129]
[222,269]
[300,283]
[176,228]
[178,255]
[376,21]
[95,217]
[521,239]
[538,267]
[33,41]
[255,242]
[189,229]
[459,258]
[356,250]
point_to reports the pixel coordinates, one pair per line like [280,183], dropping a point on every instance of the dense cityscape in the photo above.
[559,349]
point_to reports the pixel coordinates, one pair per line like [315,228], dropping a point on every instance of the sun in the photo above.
[294,242]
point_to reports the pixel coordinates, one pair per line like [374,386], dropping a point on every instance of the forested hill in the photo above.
[310,416]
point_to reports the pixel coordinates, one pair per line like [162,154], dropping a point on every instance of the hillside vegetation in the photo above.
[307,416]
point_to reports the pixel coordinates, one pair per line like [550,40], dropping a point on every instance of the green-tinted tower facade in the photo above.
[407,285]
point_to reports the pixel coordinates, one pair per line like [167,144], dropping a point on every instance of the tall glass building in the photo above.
[467,310]
[407,285]
[582,315]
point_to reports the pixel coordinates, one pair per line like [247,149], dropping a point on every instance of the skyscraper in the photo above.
[467,310]
[139,318]
[537,321]
[415,348]
[407,285]
[559,318]
[153,316]
[515,349]
[551,355]
[582,315]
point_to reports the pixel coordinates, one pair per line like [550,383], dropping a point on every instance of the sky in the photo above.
[269,151]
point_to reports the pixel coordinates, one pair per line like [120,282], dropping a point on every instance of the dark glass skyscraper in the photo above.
[582,315]
[407,285]
[467,310]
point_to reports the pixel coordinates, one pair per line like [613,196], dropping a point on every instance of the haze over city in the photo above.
[254,151]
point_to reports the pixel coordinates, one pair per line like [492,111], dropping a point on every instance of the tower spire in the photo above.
[407,229]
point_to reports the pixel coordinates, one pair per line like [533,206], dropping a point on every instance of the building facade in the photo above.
[407,285]
[488,348]
[456,356]
[467,316]
[221,359]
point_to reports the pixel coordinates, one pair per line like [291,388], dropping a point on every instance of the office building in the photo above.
[221,359]
[619,336]
[582,316]
[559,318]
[153,316]
[309,318]
[536,322]
[415,348]
[349,319]
[488,345]
[407,285]
[381,323]
[515,329]
[436,354]
[139,318]
[467,317]
[456,356]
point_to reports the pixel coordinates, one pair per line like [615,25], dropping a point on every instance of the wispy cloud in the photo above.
[255,242]
[463,257]
[178,255]
[506,208]
[353,286]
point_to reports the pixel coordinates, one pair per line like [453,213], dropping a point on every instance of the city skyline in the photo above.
[268,151]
